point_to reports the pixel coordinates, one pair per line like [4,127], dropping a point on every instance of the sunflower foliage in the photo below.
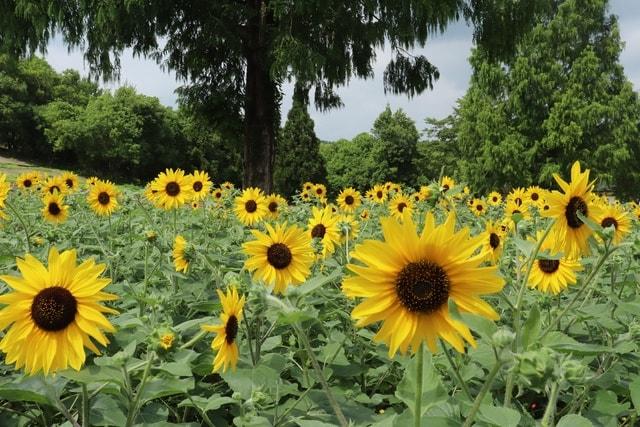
[191,302]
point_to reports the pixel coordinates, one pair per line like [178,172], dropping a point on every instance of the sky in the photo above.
[364,100]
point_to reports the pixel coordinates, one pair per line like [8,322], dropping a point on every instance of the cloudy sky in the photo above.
[365,99]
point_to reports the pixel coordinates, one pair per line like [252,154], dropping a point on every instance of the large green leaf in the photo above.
[432,390]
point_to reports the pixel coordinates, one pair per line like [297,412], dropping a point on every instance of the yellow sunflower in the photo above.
[217,194]
[227,332]
[446,184]
[166,340]
[27,181]
[349,200]
[54,184]
[425,191]
[614,215]
[91,181]
[200,184]
[251,206]
[181,254]
[70,181]
[494,198]
[54,209]
[417,197]
[518,196]
[323,225]
[535,196]
[408,279]
[378,194]
[172,189]
[275,204]
[308,186]
[364,215]
[571,233]
[636,212]
[54,312]
[102,198]
[305,196]
[400,206]
[512,209]
[552,275]
[228,186]
[493,241]
[319,191]
[478,207]
[280,257]
[4,192]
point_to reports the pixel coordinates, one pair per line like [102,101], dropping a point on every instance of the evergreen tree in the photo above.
[563,98]
[298,156]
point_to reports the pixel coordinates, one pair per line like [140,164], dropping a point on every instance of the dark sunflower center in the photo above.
[494,240]
[319,191]
[54,188]
[576,204]
[218,195]
[197,186]
[69,183]
[251,206]
[479,207]
[535,196]
[172,188]
[273,207]
[401,206]
[318,231]
[27,183]
[516,211]
[379,194]
[231,329]
[53,309]
[53,208]
[279,255]
[549,265]
[518,201]
[445,187]
[422,286]
[608,222]
[495,199]
[546,207]
[103,198]
[349,200]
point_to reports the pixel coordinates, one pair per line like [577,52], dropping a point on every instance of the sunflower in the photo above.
[27,181]
[378,194]
[181,254]
[54,209]
[535,196]
[571,233]
[518,196]
[555,273]
[54,312]
[308,186]
[166,340]
[425,191]
[275,204]
[349,199]
[228,186]
[408,279]
[305,196]
[251,206]
[478,207]
[494,198]
[195,204]
[400,206]
[323,225]
[4,192]
[217,194]
[54,184]
[280,257]
[417,197]
[446,184]
[70,181]
[200,184]
[227,332]
[172,189]
[614,215]
[102,198]
[636,212]
[364,215]
[493,241]
[91,181]
[393,187]
[319,191]
[512,209]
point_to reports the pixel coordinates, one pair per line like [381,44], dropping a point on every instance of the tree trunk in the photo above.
[260,102]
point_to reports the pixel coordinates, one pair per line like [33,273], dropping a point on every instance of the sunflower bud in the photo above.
[503,338]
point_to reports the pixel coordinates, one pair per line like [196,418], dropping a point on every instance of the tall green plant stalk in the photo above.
[23,223]
[417,407]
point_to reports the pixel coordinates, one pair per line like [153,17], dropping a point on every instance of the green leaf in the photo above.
[94,374]
[105,411]
[525,246]
[161,387]
[176,369]
[531,328]
[574,420]
[499,416]
[634,391]
[314,283]
[29,389]
[432,390]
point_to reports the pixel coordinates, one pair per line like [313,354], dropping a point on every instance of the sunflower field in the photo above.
[191,303]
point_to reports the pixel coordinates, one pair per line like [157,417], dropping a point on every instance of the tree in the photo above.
[439,152]
[397,151]
[236,54]
[350,163]
[563,98]
[298,156]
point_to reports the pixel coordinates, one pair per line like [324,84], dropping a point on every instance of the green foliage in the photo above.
[298,156]
[388,153]
[564,97]
[439,152]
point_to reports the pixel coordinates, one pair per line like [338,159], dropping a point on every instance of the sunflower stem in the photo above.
[549,412]
[85,406]
[22,222]
[417,407]
[456,372]
[133,408]
[483,392]
[316,366]
[197,337]
[584,287]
